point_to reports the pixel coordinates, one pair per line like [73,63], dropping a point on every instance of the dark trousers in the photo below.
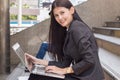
[40,77]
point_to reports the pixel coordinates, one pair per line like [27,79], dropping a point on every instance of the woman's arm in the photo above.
[58,70]
[62,64]
[53,69]
[82,36]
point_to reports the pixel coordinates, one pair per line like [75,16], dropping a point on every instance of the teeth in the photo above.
[62,22]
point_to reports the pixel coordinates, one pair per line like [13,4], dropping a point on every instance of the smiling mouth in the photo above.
[62,22]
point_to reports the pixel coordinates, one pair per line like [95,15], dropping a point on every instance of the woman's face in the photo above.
[63,15]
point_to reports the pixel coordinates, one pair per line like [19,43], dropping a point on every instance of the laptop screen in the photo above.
[20,53]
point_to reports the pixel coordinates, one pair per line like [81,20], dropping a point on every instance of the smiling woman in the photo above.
[73,42]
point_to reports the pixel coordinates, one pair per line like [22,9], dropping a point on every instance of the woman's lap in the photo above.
[40,77]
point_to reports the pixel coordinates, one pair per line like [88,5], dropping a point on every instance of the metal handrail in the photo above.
[14,30]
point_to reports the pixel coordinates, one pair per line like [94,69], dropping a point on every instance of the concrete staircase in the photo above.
[108,39]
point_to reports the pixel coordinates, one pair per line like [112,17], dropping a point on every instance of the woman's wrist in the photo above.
[43,62]
[69,70]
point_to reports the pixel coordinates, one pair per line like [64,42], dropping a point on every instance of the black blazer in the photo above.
[81,50]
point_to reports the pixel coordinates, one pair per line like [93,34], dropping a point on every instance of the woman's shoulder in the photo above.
[77,25]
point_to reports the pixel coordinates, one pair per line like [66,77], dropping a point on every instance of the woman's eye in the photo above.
[62,12]
[55,15]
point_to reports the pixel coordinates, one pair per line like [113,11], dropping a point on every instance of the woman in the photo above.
[74,39]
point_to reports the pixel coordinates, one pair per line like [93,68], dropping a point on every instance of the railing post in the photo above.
[4,37]
[19,13]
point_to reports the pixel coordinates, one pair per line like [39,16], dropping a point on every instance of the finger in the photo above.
[49,70]
[49,67]
[30,56]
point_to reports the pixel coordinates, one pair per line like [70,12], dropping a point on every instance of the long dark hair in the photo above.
[57,33]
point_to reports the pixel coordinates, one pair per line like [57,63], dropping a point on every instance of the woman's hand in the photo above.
[32,59]
[35,60]
[54,69]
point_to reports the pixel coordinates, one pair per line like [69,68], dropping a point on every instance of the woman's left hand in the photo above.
[54,69]
[35,60]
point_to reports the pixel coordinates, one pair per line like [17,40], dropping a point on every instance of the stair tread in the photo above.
[110,62]
[113,21]
[111,39]
[19,71]
[110,28]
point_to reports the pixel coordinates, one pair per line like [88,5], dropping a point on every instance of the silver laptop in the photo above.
[36,69]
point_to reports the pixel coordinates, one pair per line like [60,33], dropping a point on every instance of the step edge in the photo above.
[108,38]
[112,71]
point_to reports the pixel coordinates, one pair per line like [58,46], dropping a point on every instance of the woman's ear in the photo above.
[72,10]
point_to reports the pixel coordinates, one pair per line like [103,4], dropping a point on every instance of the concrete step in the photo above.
[18,73]
[115,24]
[109,43]
[110,63]
[107,31]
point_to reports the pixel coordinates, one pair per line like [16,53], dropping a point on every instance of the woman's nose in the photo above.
[60,17]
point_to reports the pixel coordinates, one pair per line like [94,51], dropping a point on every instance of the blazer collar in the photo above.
[69,29]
